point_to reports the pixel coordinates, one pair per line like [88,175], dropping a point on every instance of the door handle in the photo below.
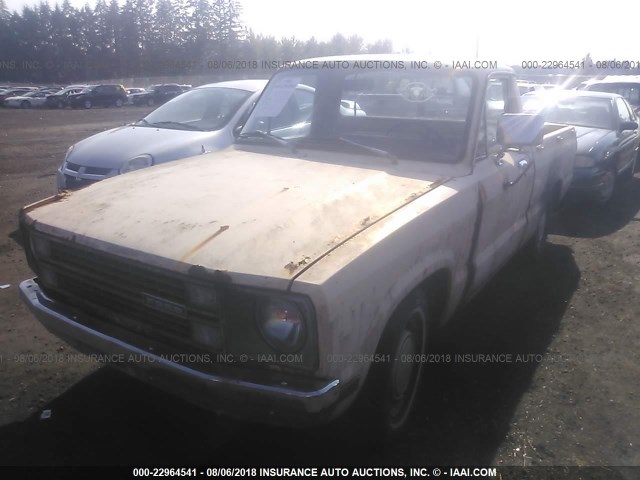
[524,163]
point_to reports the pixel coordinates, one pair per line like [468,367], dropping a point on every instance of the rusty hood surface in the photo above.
[240,212]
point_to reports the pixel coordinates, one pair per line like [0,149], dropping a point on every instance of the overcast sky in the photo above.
[508,31]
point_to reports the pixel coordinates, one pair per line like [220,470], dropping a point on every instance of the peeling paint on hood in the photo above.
[233,211]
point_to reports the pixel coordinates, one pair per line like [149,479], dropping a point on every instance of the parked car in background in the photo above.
[526,86]
[131,91]
[107,95]
[185,87]
[60,99]
[27,100]
[608,137]
[201,120]
[626,85]
[156,94]
[14,92]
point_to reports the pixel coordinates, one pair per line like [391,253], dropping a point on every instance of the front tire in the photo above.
[151,102]
[607,188]
[87,104]
[25,104]
[118,103]
[392,386]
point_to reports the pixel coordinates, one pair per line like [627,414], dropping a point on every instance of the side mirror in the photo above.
[628,126]
[520,130]
[237,129]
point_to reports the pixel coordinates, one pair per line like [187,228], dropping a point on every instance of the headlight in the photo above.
[585,161]
[136,163]
[282,324]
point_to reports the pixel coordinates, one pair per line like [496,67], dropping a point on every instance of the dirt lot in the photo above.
[571,397]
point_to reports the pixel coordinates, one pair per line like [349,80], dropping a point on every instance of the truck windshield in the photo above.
[411,114]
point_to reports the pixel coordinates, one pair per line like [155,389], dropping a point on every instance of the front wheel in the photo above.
[88,104]
[392,386]
[606,187]
[151,102]
[25,104]
[118,103]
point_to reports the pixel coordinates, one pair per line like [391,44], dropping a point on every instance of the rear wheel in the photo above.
[151,102]
[60,105]
[392,385]
[87,104]
[25,104]
[118,103]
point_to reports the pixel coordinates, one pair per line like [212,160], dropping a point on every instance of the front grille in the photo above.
[115,290]
[96,170]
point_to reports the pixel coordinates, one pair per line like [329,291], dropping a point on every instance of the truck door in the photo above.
[505,182]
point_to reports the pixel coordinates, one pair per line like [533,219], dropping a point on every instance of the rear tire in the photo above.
[151,102]
[392,386]
[87,104]
[25,104]
[118,103]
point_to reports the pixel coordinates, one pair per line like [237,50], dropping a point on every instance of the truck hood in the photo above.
[240,212]
[594,141]
[110,149]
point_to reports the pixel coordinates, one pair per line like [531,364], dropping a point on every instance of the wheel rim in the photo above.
[150,102]
[87,104]
[118,103]
[607,186]
[405,374]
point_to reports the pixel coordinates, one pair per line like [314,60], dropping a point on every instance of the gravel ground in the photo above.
[566,392]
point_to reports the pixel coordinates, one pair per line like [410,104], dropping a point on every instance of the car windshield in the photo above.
[411,114]
[87,90]
[573,110]
[630,91]
[203,109]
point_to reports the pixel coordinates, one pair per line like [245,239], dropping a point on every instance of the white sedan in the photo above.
[27,100]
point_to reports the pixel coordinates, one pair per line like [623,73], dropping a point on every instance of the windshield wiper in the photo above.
[376,151]
[184,126]
[142,120]
[270,136]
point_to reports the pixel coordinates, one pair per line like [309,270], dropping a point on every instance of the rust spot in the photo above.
[201,273]
[197,247]
[293,266]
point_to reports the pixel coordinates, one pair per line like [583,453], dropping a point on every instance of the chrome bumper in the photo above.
[301,401]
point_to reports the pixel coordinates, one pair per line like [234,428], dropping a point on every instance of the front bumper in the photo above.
[259,397]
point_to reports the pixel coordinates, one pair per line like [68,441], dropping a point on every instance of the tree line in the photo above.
[62,44]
